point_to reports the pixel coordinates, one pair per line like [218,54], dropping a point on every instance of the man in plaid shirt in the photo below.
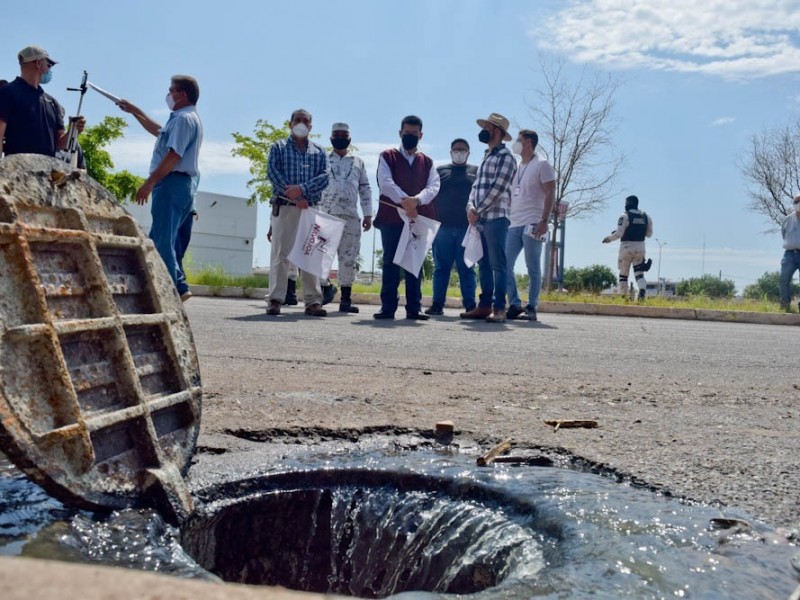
[297,168]
[489,208]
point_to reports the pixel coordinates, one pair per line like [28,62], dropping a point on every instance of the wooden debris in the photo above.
[443,427]
[492,454]
[567,423]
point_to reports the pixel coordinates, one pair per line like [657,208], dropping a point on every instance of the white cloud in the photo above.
[723,121]
[728,38]
[134,152]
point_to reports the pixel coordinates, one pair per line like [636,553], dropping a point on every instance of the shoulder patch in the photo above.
[621,221]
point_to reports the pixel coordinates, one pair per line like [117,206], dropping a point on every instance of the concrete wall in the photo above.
[222,236]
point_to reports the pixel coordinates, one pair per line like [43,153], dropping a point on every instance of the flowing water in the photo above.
[420,524]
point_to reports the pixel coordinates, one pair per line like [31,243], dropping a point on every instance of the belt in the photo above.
[793,250]
[181,173]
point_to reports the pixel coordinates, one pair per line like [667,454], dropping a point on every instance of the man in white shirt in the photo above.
[533,194]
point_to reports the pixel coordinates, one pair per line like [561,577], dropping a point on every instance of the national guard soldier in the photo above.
[633,226]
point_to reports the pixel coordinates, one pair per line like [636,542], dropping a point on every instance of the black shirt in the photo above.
[32,119]
[451,202]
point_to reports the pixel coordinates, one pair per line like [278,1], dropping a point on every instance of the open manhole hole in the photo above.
[99,386]
[367,534]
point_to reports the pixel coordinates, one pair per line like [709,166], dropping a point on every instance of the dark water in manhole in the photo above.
[420,524]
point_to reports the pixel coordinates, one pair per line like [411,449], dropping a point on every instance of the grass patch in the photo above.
[215,278]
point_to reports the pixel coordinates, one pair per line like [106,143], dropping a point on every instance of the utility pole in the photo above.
[660,245]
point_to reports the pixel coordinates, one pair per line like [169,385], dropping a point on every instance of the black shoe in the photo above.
[514,312]
[328,293]
[383,315]
[417,317]
[436,310]
[346,307]
[642,295]
[291,293]
[530,314]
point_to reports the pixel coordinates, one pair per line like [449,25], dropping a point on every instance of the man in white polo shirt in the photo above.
[533,194]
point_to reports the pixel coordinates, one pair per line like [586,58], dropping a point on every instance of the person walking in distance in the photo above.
[632,228]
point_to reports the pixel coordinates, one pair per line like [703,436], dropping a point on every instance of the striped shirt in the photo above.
[286,165]
[491,193]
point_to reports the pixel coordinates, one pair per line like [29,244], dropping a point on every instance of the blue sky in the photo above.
[699,80]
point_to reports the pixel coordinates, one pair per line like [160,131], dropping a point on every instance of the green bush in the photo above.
[707,285]
[768,287]
[593,279]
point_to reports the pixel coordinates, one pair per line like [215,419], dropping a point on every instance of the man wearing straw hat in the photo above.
[488,209]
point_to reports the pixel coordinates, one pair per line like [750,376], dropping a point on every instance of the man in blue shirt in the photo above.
[297,168]
[172,170]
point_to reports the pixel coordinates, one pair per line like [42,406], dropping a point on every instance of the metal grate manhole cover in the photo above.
[99,381]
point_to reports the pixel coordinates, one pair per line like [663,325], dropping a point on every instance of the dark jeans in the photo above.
[390,238]
[493,266]
[789,264]
[447,249]
[170,206]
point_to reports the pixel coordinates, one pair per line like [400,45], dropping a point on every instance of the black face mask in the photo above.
[340,143]
[410,141]
[484,136]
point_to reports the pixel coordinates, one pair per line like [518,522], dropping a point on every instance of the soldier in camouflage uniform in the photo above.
[348,183]
[633,226]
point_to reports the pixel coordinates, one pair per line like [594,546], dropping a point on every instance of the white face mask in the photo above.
[300,130]
[516,147]
[170,101]
[459,157]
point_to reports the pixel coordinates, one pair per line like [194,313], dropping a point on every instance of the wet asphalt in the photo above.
[704,411]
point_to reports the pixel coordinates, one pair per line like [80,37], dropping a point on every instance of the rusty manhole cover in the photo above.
[99,381]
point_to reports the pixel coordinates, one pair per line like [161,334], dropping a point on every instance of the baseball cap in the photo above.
[340,127]
[32,53]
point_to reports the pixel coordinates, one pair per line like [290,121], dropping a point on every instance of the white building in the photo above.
[222,236]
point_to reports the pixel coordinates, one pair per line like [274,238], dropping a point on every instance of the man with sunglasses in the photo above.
[31,121]
[790,229]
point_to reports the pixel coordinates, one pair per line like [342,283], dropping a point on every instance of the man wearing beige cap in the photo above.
[488,209]
[347,182]
[31,120]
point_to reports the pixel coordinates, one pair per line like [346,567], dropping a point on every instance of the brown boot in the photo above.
[497,316]
[479,312]
[316,310]
[274,308]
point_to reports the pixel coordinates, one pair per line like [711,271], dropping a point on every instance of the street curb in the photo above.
[570,308]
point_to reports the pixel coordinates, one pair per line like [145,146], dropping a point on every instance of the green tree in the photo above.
[593,279]
[707,285]
[93,141]
[768,287]
[255,149]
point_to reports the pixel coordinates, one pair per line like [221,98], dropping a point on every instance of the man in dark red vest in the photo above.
[407,180]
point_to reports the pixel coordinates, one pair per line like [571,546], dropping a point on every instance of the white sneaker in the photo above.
[185,296]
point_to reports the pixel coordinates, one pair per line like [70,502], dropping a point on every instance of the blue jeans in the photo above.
[447,249]
[515,243]
[171,205]
[390,238]
[789,264]
[182,244]
[493,267]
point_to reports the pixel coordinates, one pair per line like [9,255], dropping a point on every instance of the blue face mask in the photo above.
[47,77]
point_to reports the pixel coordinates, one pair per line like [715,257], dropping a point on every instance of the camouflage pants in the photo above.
[349,250]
